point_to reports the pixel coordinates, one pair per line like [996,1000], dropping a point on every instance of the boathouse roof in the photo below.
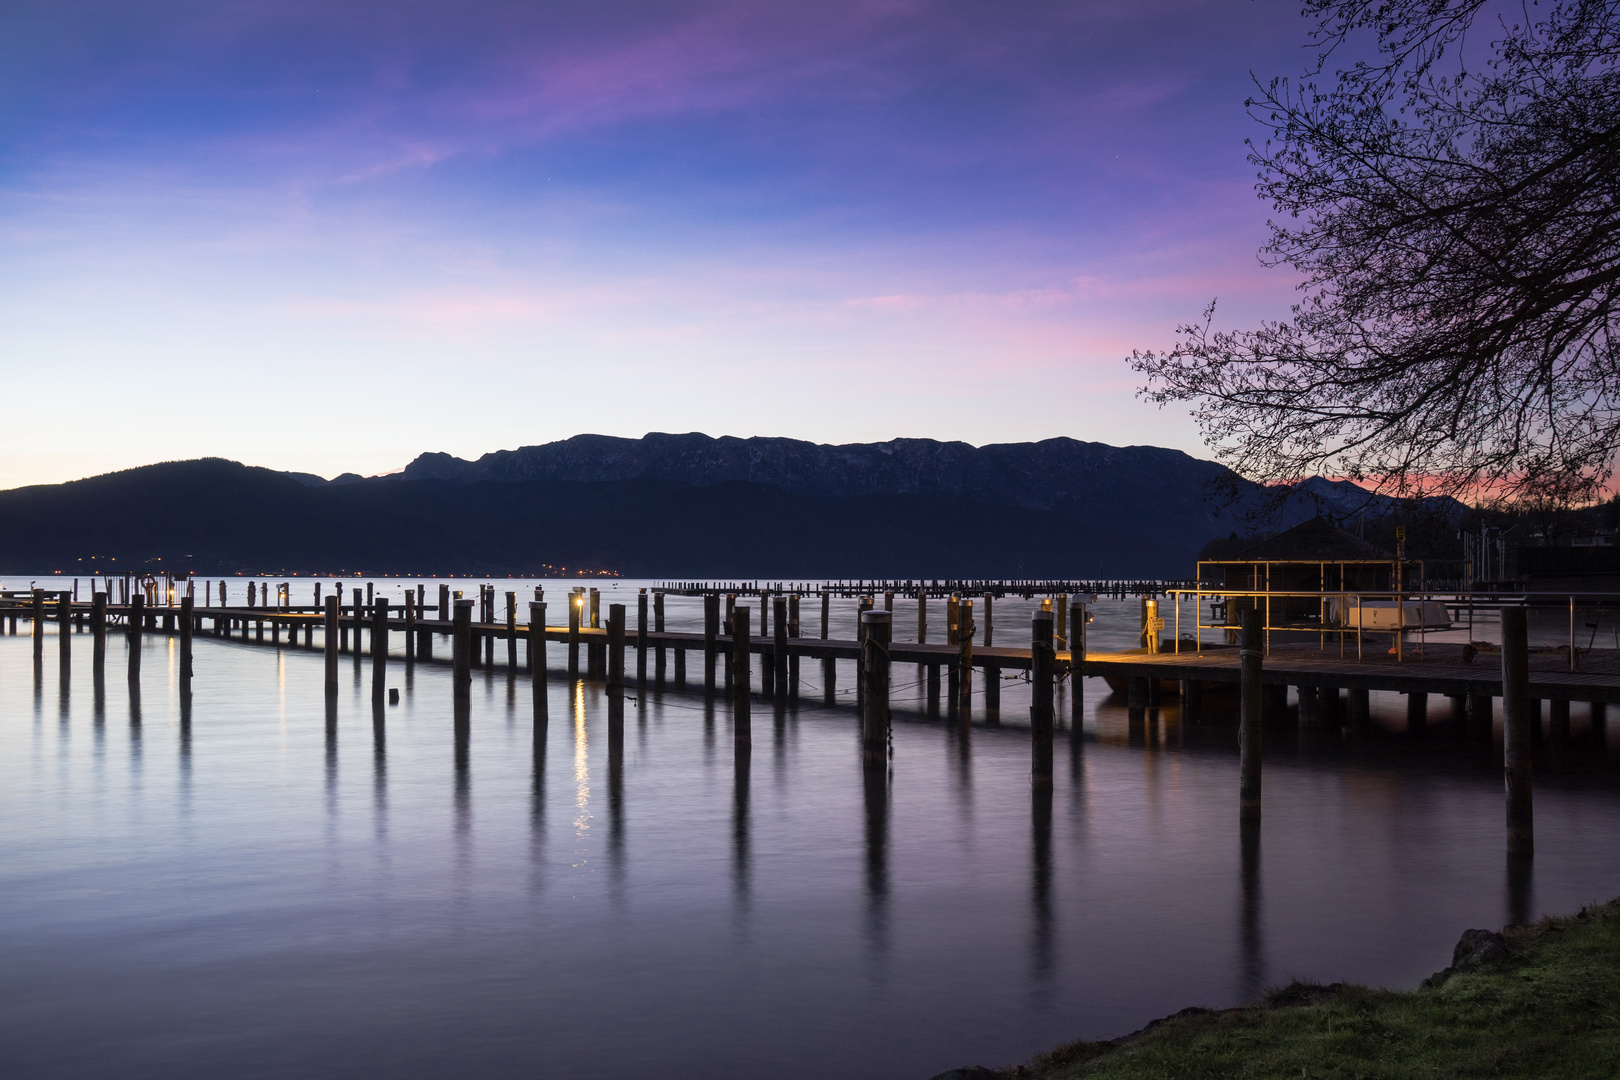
[1316,540]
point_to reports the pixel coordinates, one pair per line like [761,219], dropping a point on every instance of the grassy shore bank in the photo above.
[1549,1007]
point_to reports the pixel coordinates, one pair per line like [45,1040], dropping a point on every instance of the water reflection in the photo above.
[379,766]
[1252,968]
[331,757]
[463,784]
[1041,887]
[741,849]
[615,704]
[876,792]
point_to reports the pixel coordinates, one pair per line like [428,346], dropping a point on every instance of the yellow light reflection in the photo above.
[582,765]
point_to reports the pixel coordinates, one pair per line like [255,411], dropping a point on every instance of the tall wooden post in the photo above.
[711,603]
[964,654]
[1249,728]
[1077,659]
[333,619]
[711,633]
[793,660]
[615,647]
[641,637]
[98,630]
[379,647]
[829,665]
[461,648]
[64,624]
[992,671]
[537,640]
[38,621]
[779,657]
[137,610]
[188,606]
[877,633]
[741,677]
[574,611]
[410,629]
[511,633]
[1516,720]
[1041,717]
[444,603]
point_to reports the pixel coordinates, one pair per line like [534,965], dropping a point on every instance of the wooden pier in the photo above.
[1470,677]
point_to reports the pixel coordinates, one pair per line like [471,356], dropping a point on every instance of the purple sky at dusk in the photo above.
[328,236]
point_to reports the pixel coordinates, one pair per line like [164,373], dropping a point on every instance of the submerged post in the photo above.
[741,677]
[331,644]
[1516,720]
[877,631]
[1249,730]
[461,648]
[1041,659]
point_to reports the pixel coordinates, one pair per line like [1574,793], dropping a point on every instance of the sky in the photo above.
[329,235]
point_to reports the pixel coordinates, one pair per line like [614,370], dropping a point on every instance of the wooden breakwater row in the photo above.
[728,644]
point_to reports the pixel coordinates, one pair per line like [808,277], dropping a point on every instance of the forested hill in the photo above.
[216,516]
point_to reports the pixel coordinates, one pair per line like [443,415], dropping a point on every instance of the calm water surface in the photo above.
[268,887]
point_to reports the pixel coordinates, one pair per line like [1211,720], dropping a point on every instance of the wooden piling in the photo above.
[741,679]
[574,611]
[877,627]
[641,637]
[461,648]
[1077,656]
[511,633]
[187,624]
[615,647]
[537,640]
[711,634]
[1516,766]
[793,660]
[64,632]
[964,654]
[38,622]
[1041,714]
[410,629]
[137,607]
[333,619]
[379,647]
[779,657]
[992,672]
[1249,725]
[829,665]
[98,619]
[1417,712]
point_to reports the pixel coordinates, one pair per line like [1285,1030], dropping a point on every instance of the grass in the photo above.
[1550,1009]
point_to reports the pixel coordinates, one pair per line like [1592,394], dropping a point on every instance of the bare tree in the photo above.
[1452,206]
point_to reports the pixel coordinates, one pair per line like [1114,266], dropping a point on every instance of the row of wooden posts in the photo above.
[780,666]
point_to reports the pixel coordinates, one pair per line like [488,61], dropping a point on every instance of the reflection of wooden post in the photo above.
[1249,728]
[876,629]
[1516,731]
[741,678]
[1040,699]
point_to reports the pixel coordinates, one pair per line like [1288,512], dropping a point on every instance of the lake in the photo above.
[266,885]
